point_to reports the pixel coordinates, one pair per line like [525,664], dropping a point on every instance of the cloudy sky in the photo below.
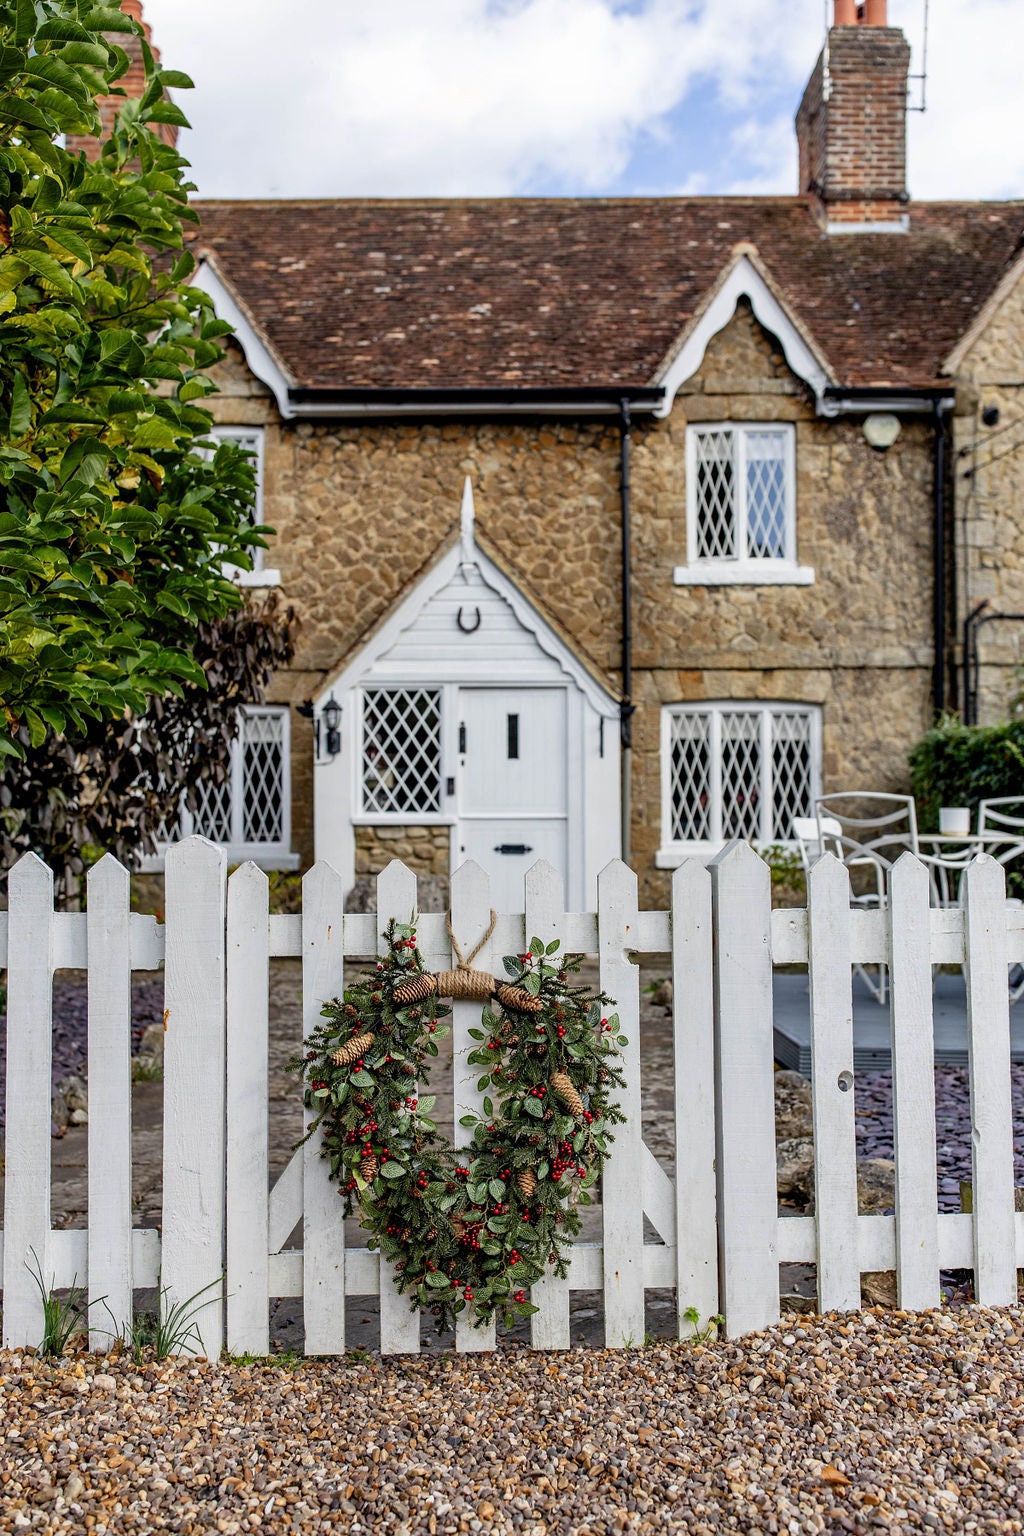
[406,98]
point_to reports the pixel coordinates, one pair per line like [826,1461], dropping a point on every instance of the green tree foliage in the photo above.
[115,516]
[117,786]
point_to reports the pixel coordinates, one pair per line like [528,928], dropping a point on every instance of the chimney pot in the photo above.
[875,13]
[846,13]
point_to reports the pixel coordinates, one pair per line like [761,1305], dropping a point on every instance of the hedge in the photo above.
[957,764]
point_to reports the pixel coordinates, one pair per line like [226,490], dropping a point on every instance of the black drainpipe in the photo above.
[939,535]
[626,707]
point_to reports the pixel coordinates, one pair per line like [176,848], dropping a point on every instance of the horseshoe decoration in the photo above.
[468,629]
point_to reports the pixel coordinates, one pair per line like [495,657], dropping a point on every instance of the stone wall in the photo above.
[362,508]
[988,471]
[425,849]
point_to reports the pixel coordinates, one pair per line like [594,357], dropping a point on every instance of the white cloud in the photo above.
[491,97]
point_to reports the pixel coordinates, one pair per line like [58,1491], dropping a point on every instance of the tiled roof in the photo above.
[588,292]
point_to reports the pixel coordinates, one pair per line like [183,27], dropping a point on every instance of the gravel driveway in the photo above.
[882,1421]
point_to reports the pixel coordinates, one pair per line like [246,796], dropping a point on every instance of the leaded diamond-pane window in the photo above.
[792,778]
[251,439]
[738,771]
[690,769]
[741,494]
[249,812]
[263,778]
[401,758]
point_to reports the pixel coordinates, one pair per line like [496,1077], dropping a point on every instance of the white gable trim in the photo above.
[465,554]
[743,279]
[983,319]
[262,362]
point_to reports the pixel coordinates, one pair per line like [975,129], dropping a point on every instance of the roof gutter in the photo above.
[918,400]
[591,400]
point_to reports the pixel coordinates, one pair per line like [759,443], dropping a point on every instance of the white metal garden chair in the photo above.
[824,834]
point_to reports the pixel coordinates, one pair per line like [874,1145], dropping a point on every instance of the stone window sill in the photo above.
[762,573]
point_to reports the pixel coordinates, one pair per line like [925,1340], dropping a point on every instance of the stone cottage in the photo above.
[621,526]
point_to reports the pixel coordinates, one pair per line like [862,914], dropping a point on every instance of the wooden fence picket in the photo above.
[988,1051]
[471,916]
[323,1232]
[913,1086]
[545,911]
[223,1233]
[192,1250]
[622,1215]
[693,1031]
[248,1120]
[399,1322]
[832,1088]
[108,926]
[745,1107]
[30,956]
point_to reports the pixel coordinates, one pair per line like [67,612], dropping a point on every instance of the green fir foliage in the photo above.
[468,1231]
[116,514]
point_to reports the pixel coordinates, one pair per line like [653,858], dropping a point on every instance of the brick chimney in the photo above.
[133,83]
[851,127]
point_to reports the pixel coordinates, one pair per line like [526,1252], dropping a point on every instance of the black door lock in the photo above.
[513,848]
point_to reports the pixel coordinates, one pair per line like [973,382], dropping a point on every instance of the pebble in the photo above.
[952,1125]
[70,1028]
[855,1422]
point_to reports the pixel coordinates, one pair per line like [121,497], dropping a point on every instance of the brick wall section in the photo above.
[132,84]
[852,148]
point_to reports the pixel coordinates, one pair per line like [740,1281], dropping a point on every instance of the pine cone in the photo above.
[526,1183]
[565,1089]
[414,989]
[517,998]
[408,1069]
[369,1167]
[345,1055]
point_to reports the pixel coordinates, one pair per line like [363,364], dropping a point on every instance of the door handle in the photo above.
[513,848]
[462,741]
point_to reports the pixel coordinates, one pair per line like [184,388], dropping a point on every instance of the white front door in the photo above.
[512,789]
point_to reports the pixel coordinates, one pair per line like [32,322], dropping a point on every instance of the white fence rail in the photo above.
[719,1237]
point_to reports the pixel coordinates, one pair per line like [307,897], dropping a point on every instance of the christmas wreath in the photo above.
[471,1230]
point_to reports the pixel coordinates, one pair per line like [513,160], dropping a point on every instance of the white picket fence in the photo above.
[720,1238]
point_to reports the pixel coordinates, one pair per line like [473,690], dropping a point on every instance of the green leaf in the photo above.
[437,1281]
[106,18]
[536,948]
[513,967]
[362,1079]
[533,1107]
[553,947]
[488,1108]
[48,271]
[427,1102]
[21,408]
[497,1189]
[393,1170]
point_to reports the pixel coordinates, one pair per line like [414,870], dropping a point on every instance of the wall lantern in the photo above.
[332,720]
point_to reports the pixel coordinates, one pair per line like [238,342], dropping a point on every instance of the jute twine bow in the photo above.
[464,984]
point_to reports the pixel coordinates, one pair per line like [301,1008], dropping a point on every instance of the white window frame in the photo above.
[268,855]
[261,575]
[740,569]
[441,817]
[673,852]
